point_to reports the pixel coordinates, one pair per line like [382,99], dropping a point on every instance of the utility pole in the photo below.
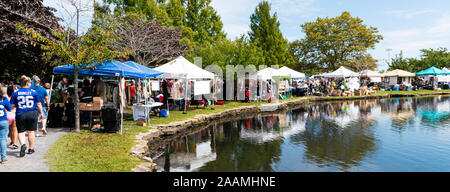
[389,55]
[94,11]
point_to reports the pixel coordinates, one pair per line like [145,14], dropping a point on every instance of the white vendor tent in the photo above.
[182,68]
[267,74]
[286,71]
[373,75]
[444,78]
[399,77]
[342,72]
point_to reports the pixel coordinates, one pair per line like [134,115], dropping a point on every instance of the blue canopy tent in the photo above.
[149,72]
[433,71]
[112,69]
[109,69]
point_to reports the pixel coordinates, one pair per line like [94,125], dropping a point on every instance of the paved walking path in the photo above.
[35,162]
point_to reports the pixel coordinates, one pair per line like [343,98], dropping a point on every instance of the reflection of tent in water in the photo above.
[344,115]
[401,115]
[438,114]
[270,134]
[188,161]
[434,115]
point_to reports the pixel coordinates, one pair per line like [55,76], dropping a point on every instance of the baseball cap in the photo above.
[36,79]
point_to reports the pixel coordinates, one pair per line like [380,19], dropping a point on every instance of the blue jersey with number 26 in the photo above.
[25,99]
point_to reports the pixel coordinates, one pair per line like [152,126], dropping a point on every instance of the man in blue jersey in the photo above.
[27,104]
[43,96]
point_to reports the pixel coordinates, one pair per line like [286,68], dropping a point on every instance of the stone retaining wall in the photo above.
[141,150]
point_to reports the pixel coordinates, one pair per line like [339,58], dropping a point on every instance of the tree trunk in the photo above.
[76,103]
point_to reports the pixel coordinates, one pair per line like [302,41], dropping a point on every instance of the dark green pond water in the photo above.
[410,134]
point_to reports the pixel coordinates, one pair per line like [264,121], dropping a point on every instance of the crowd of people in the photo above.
[32,104]
[330,87]
[20,110]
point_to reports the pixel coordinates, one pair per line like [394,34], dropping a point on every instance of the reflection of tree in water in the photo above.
[327,144]
[233,154]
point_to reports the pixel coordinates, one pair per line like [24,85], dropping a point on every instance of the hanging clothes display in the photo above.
[165,87]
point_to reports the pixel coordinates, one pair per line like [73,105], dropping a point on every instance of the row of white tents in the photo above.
[183,69]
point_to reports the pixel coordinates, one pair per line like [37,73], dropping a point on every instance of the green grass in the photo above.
[94,152]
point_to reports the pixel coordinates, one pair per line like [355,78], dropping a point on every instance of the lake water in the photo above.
[406,134]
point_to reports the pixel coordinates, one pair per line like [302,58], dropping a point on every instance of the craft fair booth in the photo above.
[347,75]
[437,78]
[296,77]
[191,79]
[116,72]
[270,79]
[144,105]
[398,80]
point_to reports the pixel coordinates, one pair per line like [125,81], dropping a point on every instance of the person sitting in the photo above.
[97,129]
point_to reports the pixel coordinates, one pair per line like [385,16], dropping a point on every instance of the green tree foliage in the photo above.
[439,58]
[199,21]
[225,52]
[334,42]
[150,8]
[400,62]
[86,51]
[17,56]
[266,34]
[362,62]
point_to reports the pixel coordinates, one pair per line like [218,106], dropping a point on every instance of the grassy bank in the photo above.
[94,152]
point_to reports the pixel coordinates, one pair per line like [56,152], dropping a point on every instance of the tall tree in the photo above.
[204,21]
[150,8]
[334,42]
[439,58]
[266,34]
[149,43]
[400,62]
[87,51]
[199,22]
[17,56]
[226,52]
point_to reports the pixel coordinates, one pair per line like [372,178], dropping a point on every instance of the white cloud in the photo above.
[441,26]
[408,14]
[433,34]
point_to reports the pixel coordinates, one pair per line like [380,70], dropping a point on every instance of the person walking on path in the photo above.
[12,120]
[4,125]
[44,99]
[26,102]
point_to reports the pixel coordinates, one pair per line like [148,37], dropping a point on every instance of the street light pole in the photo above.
[389,55]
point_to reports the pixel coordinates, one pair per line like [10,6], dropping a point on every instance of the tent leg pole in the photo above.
[185,98]
[44,125]
[121,109]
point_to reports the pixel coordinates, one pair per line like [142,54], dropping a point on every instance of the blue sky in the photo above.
[407,25]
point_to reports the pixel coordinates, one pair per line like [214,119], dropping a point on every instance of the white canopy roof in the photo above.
[342,72]
[182,68]
[267,73]
[445,69]
[398,73]
[286,71]
[369,73]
